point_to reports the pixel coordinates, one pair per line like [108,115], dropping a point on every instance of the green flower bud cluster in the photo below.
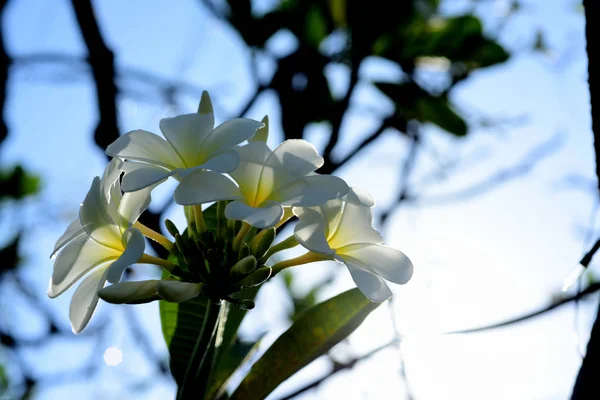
[224,260]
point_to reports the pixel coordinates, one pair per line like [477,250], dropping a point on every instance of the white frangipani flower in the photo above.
[267,181]
[102,239]
[343,228]
[191,144]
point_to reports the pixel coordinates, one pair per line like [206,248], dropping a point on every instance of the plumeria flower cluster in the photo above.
[226,245]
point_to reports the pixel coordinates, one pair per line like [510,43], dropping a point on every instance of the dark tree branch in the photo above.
[338,367]
[331,166]
[594,287]
[407,167]
[586,386]
[101,60]
[340,111]
[126,73]
[5,63]
[523,167]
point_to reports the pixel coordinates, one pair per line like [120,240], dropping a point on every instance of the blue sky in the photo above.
[476,261]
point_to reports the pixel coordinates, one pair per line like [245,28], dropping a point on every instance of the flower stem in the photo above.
[303,259]
[283,245]
[221,220]
[199,218]
[152,234]
[287,214]
[164,264]
[239,238]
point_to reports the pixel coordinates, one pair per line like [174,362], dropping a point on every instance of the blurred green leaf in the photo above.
[458,39]
[315,26]
[17,184]
[313,335]
[3,380]
[412,102]
[302,302]
[338,12]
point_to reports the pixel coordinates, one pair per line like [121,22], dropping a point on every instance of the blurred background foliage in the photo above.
[433,53]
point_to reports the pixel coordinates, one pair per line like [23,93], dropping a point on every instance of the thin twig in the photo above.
[592,288]
[338,367]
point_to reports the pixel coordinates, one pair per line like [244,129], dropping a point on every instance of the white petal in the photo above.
[310,231]
[229,134]
[132,206]
[291,194]
[134,248]
[186,133]
[293,159]
[110,181]
[251,170]
[74,230]
[224,162]
[85,299]
[205,186]
[386,262]
[318,190]
[130,292]
[354,225]
[144,146]
[262,217]
[360,196]
[371,285]
[176,292]
[75,260]
[139,176]
[96,220]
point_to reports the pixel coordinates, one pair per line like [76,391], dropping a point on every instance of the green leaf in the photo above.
[313,335]
[237,354]
[181,325]
[412,102]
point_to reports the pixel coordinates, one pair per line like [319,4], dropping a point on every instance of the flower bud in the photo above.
[171,227]
[261,134]
[262,242]
[205,107]
[244,251]
[245,266]
[256,278]
[130,292]
[176,291]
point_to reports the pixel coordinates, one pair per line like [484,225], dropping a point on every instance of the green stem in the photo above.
[152,234]
[164,264]
[303,259]
[283,245]
[199,218]
[239,238]
[196,375]
[221,220]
